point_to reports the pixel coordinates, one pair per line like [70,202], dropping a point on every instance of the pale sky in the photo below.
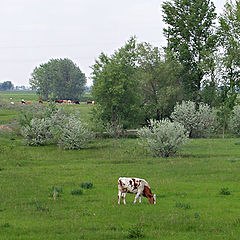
[34,31]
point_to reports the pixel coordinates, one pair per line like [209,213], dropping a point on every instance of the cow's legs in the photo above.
[119,197]
[124,198]
[137,196]
[140,199]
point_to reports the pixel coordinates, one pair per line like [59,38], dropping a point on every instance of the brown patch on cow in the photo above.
[135,184]
[120,183]
[130,182]
[148,194]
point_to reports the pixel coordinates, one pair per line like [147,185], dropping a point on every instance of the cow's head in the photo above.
[148,194]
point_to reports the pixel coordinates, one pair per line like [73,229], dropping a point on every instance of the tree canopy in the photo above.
[191,38]
[135,84]
[58,78]
[7,85]
[116,88]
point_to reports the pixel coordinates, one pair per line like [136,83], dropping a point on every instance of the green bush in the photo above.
[234,122]
[163,138]
[136,231]
[38,132]
[199,122]
[77,192]
[75,134]
[55,125]
[87,185]
[224,191]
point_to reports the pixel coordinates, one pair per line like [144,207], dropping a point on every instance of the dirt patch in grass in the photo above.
[5,128]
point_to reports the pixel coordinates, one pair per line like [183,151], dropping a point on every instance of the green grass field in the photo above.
[198,191]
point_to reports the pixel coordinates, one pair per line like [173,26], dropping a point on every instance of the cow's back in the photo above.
[131,185]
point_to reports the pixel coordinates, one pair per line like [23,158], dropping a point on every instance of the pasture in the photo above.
[198,191]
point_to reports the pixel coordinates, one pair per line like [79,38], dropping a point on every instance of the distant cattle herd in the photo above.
[56,101]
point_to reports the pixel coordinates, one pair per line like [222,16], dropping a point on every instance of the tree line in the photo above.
[200,63]
[5,86]
[139,81]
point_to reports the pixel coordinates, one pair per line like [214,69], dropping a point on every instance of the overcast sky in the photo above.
[34,31]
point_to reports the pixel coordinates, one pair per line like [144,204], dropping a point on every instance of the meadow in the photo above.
[43,194]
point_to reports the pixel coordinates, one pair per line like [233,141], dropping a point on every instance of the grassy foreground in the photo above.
[198,193]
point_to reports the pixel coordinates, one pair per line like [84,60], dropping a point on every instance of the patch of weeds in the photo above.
[184,206]
[41,208]
[191,227]
[19,164]
[87,185]
[77,192]
[236,222]
[224,191]
[135,231]
[196,215]
[112,228]
[55,192]
[5,225]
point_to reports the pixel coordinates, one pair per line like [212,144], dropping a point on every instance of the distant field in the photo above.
[29,96]
[18,96]
[9,111]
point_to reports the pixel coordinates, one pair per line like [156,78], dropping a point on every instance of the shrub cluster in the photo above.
[234,122]
[54,125]
[163,138]
[199,122]
[37,132]
[75,134]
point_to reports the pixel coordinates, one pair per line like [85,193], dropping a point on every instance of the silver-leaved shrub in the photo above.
[75,134]
[163,138]
[199,123]
[37,132]
[234,122]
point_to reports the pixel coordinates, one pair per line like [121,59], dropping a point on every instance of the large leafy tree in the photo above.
[116,88]
[160,81]
[191,38]
[229,35]
[229,39]
[58,78]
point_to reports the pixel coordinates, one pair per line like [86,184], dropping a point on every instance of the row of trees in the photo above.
[5,86]
[200,63]
[58,78]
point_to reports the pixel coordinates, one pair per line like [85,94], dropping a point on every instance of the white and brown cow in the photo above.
[137,186]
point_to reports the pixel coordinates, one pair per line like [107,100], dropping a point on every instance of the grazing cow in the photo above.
[40,101]
[29,102]
[75,101]
[58,101]
[65,101]
[22,101]
[138,186]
